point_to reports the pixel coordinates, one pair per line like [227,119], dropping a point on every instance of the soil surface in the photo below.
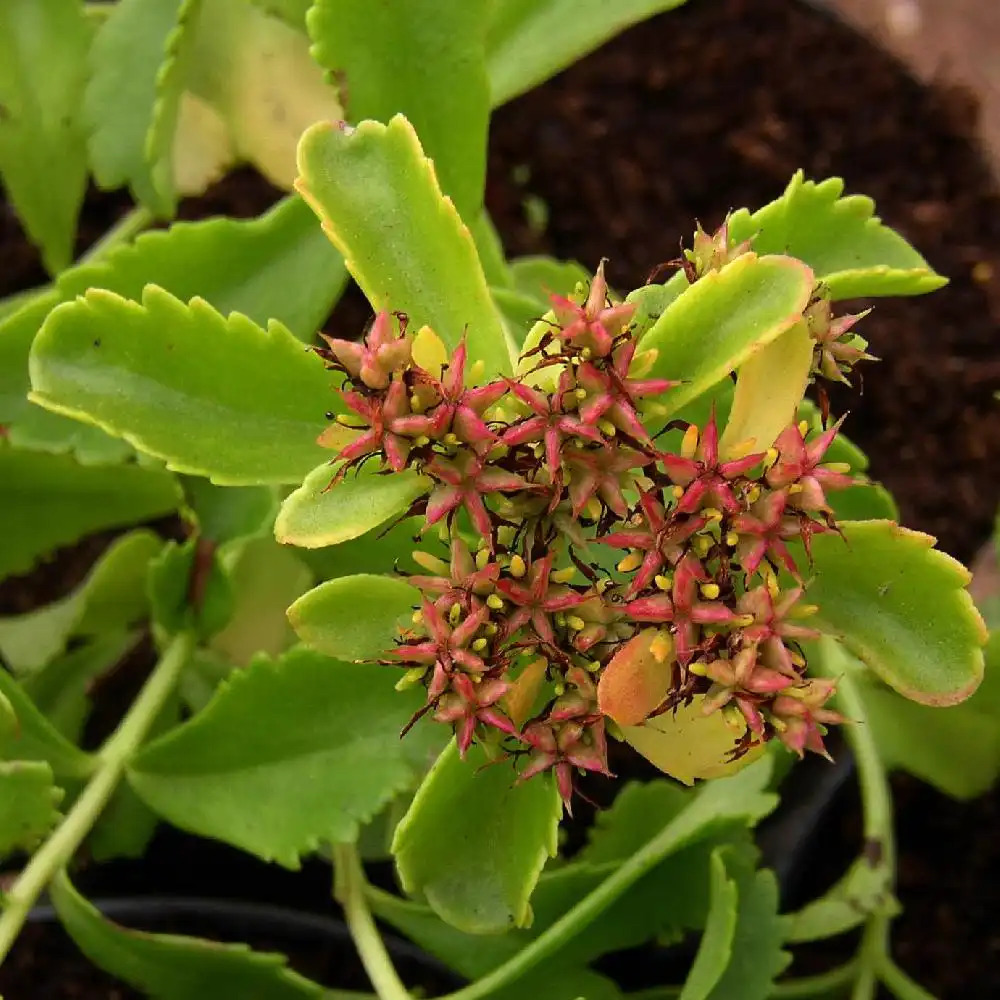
[706,109]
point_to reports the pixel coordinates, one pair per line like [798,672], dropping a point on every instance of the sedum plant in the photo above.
[525,530]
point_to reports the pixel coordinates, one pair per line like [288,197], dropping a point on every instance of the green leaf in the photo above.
[865,890]
[958,750]
[173,967]
[131,102]
[292,12]
[228,514]
[561,984]
[531,40]
[900,607]
[316,739]
[111,598]
[236,265]
[60,689]
[327,617]
[215,397]
[28,801]
[403,241]
[265,579]
[757,957]
[36,738]
[43,52]
[49,500]
[541,277]
[317,515]
[447,844]
[255,72]
[724,319]
[841,239]
[17,330]
[425,59]
[717,942]
[189,589]
[380,550]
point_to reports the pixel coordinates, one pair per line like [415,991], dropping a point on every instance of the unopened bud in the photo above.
[482,558]
[710,591]
[607,427]
[494,603]
[478,645]
[455,613]
[564,575]
[576,623]
[732,539]
[517,566]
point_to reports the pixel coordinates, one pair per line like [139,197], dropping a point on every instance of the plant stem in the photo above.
[129,225]
[900,983]
[112,758]
[349,889]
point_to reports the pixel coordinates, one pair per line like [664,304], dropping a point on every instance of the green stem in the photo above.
[112,758]
[126,228]
[670,839]
[350,892]
[900,983]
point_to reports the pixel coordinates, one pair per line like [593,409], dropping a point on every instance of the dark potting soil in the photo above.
[705,109]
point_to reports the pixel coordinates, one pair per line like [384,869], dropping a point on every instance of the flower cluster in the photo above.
[558,529]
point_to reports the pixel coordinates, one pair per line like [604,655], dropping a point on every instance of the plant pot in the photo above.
[51,968]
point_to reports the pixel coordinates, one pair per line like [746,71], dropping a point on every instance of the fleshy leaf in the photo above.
[212,396]
[687,744]
[189,589]
[50,500]
[254,70]
[28,801]
[36,738]
[757,957]
[425,59]
[231,514]
[328,618]
[637,678]
[724,319]
[769,387]
[840,238]
[447,844]
[716,945]
[531,40]
[43,53]
[265,579]
[899,605]
[958,750]
[131,104]
[316,515]
[110,599]
[174,967]
[314,738]
[403,241]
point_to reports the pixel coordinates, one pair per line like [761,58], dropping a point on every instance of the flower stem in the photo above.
[112,758]
[900,983]
[349,890]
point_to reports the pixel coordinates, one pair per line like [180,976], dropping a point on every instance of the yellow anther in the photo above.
[580,393]
[712,513]
[422,441]
[411,677]
[602,585]
[701,544]
[564,575]
[482,558]
[347,420]
[753,494]
[586,354]
[677,492]
[517,566]
[455,613]
[744,621]
[494,603]
[607,428]
[576,623]
[804,610]
[592,508]
[689,443]
[662,647]
[417,618]
[630,563]
[842,467]
[491,628]
[662,581]
[795,488]
[479,644]
[698,669]
[732,539]
[451,438]
[803,427]
[593,667]
[710,591]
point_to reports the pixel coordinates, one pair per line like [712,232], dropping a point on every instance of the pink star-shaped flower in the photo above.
[536,599]
[798,465]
